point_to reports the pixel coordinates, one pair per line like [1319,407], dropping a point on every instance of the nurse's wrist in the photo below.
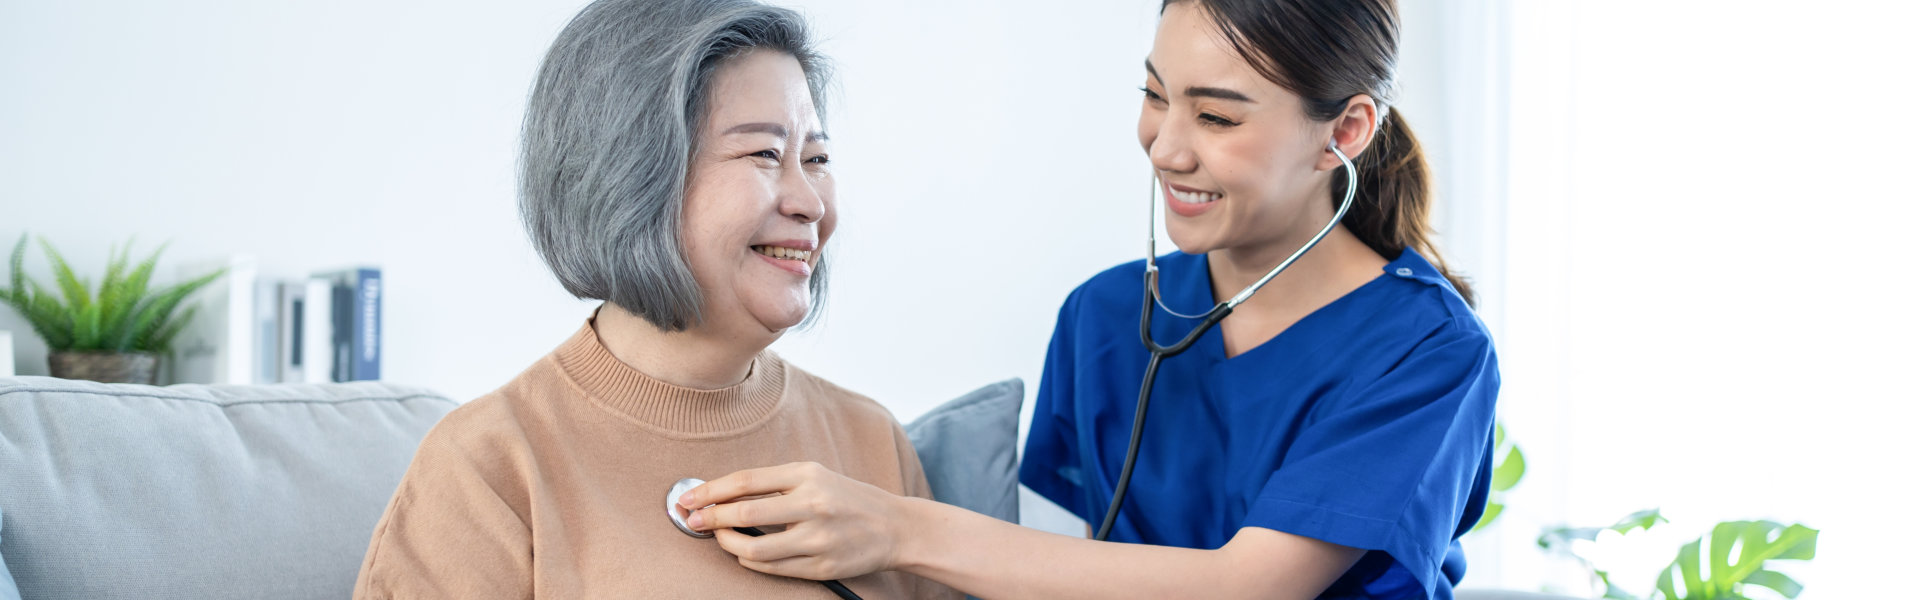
[913,532]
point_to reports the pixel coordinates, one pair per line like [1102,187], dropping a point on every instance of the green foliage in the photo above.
[1727,572]
[1507,471]
[124,316]
[1738,556]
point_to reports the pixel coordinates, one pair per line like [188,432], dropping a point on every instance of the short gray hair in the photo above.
[611,128]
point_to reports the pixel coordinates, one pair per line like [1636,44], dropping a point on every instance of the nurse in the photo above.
[1331,438]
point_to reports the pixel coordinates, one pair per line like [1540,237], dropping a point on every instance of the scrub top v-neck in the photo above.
[1368,423]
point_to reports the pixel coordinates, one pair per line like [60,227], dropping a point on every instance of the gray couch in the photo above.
[191,491]
[194,491]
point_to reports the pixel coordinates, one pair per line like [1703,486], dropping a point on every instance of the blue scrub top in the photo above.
[1369,423]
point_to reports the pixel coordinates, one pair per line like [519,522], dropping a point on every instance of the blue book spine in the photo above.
[366,324]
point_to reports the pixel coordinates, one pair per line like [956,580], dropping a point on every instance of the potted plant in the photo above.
[114,335]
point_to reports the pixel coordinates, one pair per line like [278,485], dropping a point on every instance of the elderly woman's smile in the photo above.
[792,255]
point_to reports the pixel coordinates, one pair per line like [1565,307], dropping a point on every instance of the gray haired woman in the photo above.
[674,167]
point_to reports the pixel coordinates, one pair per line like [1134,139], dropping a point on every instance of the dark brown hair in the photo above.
[1327,51]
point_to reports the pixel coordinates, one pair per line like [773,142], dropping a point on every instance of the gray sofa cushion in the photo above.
[193,491]
[967,449]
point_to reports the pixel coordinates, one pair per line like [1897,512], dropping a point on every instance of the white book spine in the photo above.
[266,332]
[317,332]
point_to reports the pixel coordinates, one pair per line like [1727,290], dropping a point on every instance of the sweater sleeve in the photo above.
[449,531]
[913,477]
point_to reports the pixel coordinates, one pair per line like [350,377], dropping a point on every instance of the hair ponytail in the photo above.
[1390,210]
[1327,52]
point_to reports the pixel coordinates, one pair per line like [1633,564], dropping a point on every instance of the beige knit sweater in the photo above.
[555,485]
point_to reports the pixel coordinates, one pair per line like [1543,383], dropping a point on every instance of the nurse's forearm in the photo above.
[990,558]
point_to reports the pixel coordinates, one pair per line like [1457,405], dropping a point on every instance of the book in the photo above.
[341,345]
[357,295]
[316,332]
[291,332]
[218,345]
[266,331]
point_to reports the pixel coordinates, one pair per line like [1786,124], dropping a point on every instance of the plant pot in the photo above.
[105,367]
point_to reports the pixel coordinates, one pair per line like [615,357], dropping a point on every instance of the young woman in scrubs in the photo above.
[1330,439]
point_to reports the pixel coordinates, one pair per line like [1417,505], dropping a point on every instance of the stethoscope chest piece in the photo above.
[679,515]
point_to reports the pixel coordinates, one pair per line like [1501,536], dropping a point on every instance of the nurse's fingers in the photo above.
[771,510]
[800,567]
[768,549]
[817,568]
[747,482]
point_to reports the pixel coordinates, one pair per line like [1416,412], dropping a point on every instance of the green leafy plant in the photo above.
[1727,573]
[123,316]
[1739,554]
[1507,471]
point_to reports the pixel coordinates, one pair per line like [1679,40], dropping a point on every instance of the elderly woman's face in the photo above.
[759,200]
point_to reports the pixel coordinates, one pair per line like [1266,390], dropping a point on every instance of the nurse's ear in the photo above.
[1353,131]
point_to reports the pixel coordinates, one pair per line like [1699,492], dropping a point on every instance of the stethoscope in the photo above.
[1207,321]
[679,517]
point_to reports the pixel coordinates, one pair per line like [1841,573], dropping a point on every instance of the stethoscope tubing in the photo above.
[1157,352]
[838,589]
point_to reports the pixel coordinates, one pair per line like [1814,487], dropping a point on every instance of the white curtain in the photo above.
[1689,223]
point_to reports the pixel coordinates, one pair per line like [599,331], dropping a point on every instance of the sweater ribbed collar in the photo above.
[665,406]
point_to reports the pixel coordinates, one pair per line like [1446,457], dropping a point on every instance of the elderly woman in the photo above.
[674,168]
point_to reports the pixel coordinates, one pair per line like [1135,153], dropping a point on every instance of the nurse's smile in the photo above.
[1189,202]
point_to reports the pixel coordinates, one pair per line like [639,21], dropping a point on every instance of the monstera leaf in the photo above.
[1508,467]
[1738,556]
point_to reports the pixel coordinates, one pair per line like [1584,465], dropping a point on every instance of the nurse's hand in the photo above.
[837,527]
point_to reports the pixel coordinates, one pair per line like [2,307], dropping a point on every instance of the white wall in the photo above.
[308,134]
[985,154]
[984,158]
